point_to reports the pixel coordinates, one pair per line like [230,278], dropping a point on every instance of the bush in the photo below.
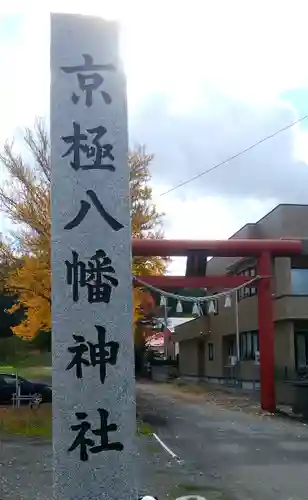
[42,341]
[13,349]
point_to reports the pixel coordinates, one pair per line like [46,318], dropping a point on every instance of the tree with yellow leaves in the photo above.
[25,200]
[146,223]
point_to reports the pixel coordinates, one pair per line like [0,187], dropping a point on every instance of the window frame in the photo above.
[249,345]
[210,349]
[300,333]
[294,292]
[247,291]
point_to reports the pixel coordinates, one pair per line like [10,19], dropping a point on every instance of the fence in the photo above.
[33,399]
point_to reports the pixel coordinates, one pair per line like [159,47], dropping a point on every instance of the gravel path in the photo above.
[25,469]
[228,454]
[225,454]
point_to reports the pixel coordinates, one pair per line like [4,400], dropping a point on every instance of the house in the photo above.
[162,341]
[208,345]
[156,342]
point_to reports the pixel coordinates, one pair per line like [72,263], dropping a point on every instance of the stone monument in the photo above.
[94,415]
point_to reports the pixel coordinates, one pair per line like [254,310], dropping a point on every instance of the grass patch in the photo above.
[41,373]
[38,422]
[26,422]
[7,369]
[143,429]
[34,360]
[28,360]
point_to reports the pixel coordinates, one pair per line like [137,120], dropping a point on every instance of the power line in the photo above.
[191,179]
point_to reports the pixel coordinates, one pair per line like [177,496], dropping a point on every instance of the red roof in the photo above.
[158,338]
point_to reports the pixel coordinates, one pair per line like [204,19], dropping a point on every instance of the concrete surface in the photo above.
[228,454]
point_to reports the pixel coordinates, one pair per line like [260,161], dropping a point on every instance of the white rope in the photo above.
[183,298]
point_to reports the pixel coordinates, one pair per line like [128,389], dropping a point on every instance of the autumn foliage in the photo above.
[25,200]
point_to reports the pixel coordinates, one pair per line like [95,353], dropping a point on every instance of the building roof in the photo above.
[286,220]
[156,340]
[174,322]
[252,225]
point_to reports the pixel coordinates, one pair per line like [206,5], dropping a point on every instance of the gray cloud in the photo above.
[187,143]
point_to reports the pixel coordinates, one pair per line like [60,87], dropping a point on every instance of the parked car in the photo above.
[8,388]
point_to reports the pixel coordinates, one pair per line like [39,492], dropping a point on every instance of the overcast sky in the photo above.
[205,80]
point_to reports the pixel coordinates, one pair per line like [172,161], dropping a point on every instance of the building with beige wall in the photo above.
[208,345]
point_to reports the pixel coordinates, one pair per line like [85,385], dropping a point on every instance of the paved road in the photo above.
[228,454]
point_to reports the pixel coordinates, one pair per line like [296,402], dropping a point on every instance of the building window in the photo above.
[253,290]
[249,345]
[247,291]
[299,281]
[301,350]
[210,348]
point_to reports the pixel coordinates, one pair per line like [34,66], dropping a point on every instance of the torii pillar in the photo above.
[266,333]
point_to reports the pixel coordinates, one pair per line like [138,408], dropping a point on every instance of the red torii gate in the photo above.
[263,250]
